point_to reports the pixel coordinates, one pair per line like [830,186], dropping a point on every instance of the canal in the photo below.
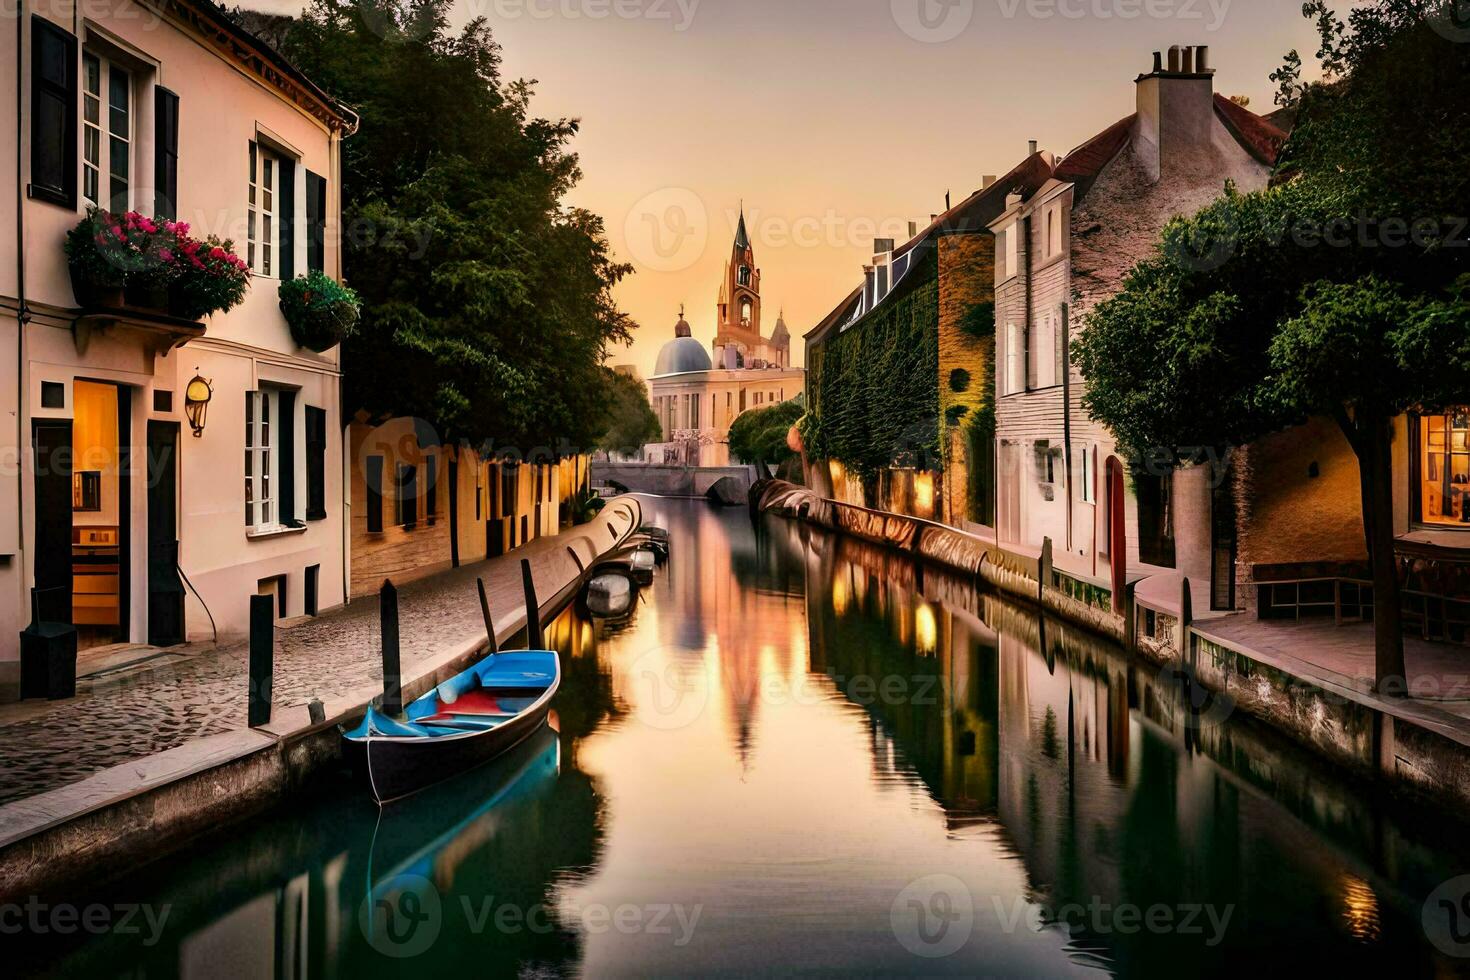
[805,755]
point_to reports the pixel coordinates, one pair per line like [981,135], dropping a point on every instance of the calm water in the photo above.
[802,755]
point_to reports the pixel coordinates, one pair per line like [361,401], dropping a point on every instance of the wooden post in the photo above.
[1186,619]
[535,638]
[262,658]
[392,678]
[1130,617]
[485,612]
[1043,570]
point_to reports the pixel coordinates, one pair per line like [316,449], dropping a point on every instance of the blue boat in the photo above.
[463,723]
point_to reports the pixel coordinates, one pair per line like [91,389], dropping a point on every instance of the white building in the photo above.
[108,495]
[1067,246]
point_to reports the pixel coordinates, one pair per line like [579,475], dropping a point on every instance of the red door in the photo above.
[1117,532]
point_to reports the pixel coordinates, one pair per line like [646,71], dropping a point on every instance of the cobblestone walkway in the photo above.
[129,714]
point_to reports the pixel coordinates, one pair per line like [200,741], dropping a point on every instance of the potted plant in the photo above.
[320,311]
[97,256]
[210,277]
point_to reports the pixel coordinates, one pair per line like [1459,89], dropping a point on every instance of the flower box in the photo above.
[320,311]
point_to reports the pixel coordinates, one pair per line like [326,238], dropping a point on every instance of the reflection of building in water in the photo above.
[725,581]
[924,671]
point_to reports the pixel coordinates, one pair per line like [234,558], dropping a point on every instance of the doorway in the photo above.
[165,591]
[101,506]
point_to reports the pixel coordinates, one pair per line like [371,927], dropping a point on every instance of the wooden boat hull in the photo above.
[396,765]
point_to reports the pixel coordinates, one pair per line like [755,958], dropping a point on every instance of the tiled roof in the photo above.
[1260,138]
[1087,160]
[821,330]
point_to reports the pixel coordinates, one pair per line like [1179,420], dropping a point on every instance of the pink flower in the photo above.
[217,253]
[166,255]
[119,233]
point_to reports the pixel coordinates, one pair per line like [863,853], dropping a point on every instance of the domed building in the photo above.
[696,396]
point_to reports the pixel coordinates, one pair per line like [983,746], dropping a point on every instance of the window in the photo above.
[1014,354]
[374,494]
[745,312]
[316,463]
[1012,253]
[406,497]
[262,411]
[744,278]
[107,134]
[316,222]
[1089,475]
[1041,353]
[694,411]
[262,233]
[1443,458]
[165,153]
[53,113]
[431,488]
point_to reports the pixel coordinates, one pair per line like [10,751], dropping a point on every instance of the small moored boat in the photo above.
[464,722]
[610,595]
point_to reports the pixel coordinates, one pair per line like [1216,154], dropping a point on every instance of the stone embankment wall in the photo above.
[1408,745]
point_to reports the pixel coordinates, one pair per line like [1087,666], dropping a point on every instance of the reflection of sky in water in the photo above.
[805,745]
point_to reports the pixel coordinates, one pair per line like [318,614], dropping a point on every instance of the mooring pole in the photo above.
[392,678]
[262,658]
[535,638]
[485,612]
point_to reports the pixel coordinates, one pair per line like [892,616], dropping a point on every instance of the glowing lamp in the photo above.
[196,403]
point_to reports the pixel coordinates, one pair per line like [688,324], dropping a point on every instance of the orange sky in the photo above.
[833,119]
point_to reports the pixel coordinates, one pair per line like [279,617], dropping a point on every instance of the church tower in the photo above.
[738,338]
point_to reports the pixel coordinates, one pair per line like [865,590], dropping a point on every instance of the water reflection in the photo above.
[803,754]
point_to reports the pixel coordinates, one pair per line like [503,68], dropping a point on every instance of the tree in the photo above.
[1342,292]
[630,420]
[759,435]
[488,303]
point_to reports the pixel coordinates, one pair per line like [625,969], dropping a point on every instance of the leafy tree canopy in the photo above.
[631,422]
[488,303]
[759,435]
[1341,290]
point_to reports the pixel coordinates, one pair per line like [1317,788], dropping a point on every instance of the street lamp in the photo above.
[196,403]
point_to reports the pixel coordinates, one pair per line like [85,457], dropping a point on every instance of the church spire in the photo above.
[742,238]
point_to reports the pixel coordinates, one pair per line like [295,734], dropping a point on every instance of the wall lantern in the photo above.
[196,403]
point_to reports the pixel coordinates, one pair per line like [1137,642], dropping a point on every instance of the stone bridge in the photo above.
[727,484]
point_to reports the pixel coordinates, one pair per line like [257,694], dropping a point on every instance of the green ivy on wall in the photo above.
[876,391]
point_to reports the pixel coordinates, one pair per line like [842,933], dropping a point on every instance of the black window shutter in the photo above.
[316,222]
[316,463]
[408,510]
[431,487]
[166,153]
[286,208]
[374,494]
[53,113]
[286,492]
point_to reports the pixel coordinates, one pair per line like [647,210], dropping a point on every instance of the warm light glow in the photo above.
[1359,908]
[924,493]
[839,595]
[926,630]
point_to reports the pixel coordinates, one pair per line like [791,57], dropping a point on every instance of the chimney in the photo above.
[1031,148]
[882,246]
[986,181]
[1176,112]
[913,229]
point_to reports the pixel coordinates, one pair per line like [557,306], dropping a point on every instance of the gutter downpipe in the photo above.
[1066,341]
[22,313]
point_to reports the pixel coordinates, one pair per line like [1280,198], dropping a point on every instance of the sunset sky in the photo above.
[831,121]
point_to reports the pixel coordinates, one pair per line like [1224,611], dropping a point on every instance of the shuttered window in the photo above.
[316,222]
[166,153]
[316,463]
[53,113]
[374,477]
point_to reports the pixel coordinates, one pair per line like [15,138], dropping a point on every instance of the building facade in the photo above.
[118,515]
[1061,249]
[695,397]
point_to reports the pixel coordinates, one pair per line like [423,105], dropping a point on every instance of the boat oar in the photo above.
[485,611]
[535,639]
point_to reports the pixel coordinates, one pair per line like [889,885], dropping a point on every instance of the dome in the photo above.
[682,355]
